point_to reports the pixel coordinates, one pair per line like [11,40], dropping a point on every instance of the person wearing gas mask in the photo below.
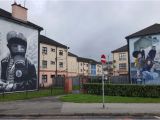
[17,72]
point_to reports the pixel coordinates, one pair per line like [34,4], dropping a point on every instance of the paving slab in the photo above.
[51,106]
[113,108]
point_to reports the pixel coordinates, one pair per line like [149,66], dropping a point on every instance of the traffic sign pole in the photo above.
[103,61]
[103,85]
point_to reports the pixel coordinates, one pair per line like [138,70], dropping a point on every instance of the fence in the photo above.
[119,80]
[59,82]
[112,79]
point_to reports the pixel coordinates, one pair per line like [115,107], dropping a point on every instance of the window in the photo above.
[81,70]
[44,64]
[52,77]
[44,78]
[87,71]
[60,52]
[81,64]
[87,65]
[61,64]
[122,56]
[44,50]
[52,63]
[122,66]
[52,50]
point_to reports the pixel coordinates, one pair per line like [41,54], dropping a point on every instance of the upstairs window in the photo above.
[122,56]
[52,63]
[60,52]
[44,64]
[52,50]
[61,64]
[44,50]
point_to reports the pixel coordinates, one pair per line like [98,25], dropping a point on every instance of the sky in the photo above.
[90,27]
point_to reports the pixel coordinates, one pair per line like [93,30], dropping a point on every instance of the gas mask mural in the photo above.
[17,72]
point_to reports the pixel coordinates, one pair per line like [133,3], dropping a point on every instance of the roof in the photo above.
[121,49]
[46,40]
[88,60]
[8,16]
[153,29]
[71,54]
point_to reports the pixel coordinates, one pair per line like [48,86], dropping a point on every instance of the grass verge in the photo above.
[31,94]
[87,98]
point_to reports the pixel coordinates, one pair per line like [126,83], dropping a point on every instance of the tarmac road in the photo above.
[52,108]
[81,117]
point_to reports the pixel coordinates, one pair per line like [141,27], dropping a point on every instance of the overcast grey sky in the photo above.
[90,27]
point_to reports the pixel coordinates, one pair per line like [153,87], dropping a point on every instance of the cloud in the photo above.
[91,28]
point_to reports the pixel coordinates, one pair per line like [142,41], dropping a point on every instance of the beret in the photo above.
[16,35]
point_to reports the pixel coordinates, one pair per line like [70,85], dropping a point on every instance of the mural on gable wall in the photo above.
[18,56]
[145,60]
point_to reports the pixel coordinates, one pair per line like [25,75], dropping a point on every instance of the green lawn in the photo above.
[87,98]
[29,95]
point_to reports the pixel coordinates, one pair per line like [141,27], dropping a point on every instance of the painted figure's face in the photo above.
[148,62]
[17,48]
[139,55]
[154,48]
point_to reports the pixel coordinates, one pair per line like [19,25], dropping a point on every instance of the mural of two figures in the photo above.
[145,60]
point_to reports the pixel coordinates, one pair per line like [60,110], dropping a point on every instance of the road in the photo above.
[52,108]
[82,117]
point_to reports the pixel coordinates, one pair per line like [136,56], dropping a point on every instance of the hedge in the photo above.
[123,90]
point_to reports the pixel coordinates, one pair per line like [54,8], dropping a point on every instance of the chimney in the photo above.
[19,12]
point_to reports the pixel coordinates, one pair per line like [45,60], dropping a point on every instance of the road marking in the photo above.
[157,117]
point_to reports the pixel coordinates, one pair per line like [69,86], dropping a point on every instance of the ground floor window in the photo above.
[44,78]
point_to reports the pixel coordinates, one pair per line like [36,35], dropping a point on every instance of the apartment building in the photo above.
[120,61]
[88,67]
[53,60]
[83,66]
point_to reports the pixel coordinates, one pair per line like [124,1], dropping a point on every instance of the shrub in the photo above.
[123,90]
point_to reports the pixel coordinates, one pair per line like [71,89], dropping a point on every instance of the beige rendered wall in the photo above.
[80,68]
[72,66]
[116,70]
[51,68]
[98,69]
[83,68]
[86,68]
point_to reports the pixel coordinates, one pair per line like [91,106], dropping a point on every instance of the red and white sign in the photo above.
[103,59]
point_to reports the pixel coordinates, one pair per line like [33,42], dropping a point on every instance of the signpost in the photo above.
[103,61]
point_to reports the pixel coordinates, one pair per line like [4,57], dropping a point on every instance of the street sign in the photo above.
[103,59]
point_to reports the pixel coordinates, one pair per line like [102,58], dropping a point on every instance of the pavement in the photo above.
[51,106]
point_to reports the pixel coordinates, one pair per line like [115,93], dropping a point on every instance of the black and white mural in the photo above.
[145,59]
[18,56]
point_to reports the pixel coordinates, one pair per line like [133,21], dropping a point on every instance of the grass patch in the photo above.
[31,94]
[87,98]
